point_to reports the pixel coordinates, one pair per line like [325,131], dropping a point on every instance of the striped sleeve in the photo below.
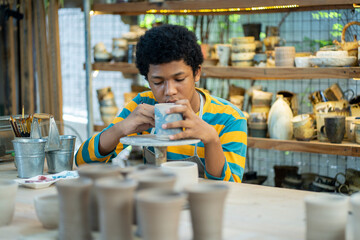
[233,138]
[89,150]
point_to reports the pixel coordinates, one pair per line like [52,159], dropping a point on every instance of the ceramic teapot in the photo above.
[351,47]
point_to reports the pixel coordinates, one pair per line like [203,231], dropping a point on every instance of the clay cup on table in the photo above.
[8,189]
[161,117]
[186,173]
[326,216]
[47,210]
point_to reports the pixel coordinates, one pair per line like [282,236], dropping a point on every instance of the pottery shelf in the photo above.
[263,73]
[207,7]
[345,148]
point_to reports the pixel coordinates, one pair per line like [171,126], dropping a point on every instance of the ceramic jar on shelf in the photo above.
[279,121]
[284,56]
[119,49]
[242,51]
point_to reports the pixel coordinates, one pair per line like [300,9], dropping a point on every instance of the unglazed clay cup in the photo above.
[74,211]
[96,172]
[161,117]
[303,126]
[186,173]
[207,203]
[115,197]
[355,209]
[326,216]
[8,190]
[47,210]
[159,213]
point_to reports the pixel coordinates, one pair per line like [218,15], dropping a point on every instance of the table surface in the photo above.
[251,212]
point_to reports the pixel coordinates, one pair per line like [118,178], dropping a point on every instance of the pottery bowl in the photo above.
[302,62]
[242,40]
[303,126]
[243,48]
[47,210]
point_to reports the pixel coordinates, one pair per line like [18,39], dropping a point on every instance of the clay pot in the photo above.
[284,56]
[186,173]
[223,53]
[74,202]
[96,172]
[159,213]
[303,126]
[355,206]
[283,171]
[252,29]
[334,128]
[206,203]
[8,189]
[326,217]
[279,123]
[115,198]
[47,210]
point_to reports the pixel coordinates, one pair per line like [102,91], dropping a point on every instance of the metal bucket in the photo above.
[62,160]
[29,156]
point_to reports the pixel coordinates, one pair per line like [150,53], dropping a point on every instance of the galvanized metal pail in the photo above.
[29,156]
[62,160]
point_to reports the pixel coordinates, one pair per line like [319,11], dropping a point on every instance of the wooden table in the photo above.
[251,212]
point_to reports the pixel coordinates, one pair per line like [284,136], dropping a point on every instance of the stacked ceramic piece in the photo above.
[242,51]
[119,49]
[284,56]
[100,53]
[108,108]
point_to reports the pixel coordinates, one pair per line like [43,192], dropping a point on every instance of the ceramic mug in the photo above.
[326,217]
[161,117]
[320,122]
[334,128]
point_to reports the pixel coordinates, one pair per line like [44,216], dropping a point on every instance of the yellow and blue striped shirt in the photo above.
[229,122]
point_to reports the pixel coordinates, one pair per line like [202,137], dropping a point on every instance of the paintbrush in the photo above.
[13,127]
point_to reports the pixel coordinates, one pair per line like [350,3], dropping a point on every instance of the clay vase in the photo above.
[115,198]
[206,203]
[74,203]
[335,128]
[95,172]
[159,213]
[326,217]
[8,189]
[355,206]
[279,120]
[47,210]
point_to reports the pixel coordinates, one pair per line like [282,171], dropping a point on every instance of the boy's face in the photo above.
[173,81]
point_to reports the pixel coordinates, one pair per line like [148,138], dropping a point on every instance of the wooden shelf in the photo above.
[236,6]
[345,148]
[265,73]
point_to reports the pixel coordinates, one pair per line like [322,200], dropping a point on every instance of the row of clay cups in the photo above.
[332,217]
[82,201]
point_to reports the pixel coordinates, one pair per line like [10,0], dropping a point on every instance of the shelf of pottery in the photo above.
[332,128]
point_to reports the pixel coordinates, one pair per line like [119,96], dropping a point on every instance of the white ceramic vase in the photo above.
[279,121]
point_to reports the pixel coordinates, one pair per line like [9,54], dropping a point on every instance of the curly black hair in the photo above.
[165,44]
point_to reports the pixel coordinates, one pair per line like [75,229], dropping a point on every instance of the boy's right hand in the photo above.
[139,120]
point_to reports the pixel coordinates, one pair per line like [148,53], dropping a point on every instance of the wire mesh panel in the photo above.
[307,31]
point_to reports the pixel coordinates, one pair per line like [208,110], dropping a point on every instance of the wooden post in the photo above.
[11,64]
[26,58]
[42,63]
[54,60]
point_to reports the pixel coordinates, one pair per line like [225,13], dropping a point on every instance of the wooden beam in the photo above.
[264,73]
[242,6]
[54,59]
[345,148]
[42,63]
[26,58]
